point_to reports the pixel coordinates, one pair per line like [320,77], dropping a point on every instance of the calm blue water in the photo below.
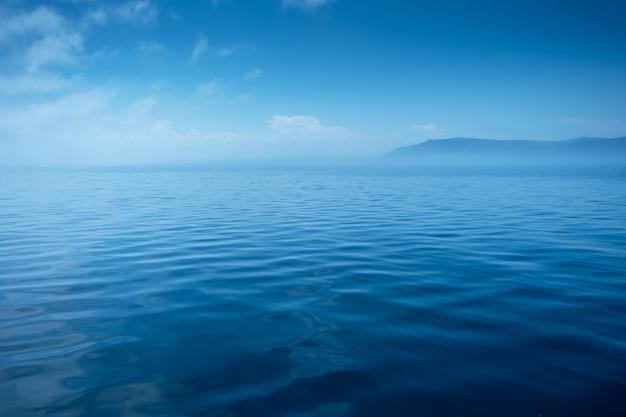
[329,292]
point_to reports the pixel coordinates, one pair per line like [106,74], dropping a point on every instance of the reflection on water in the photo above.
[328,293]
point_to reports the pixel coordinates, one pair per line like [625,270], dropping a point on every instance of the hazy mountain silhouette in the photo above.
[458,150]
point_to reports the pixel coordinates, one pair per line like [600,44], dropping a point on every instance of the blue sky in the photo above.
[161,81]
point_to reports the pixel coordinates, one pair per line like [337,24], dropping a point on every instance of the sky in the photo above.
[165,81]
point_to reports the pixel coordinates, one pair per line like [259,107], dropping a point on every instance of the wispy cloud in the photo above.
[87,127]
[97,17]
[54,49]
[134,12]
[254,74]
[55,110]
[72,106]
[42,20]
[427,131]
[142,107]
[40,38]
[210,88]
[139,12]
[94,126]
[32,83]
[56,117]
[307,128]
[203,47]
[42,48]
[200,48]
[235,48]
[151,48]
[307,5]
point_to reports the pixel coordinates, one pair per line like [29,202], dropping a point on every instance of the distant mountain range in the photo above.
[595,150]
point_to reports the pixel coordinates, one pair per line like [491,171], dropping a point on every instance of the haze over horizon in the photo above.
[159,81]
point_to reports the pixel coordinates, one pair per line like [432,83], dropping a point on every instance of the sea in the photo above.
[362,291]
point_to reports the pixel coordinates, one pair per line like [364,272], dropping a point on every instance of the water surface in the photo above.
[359,292]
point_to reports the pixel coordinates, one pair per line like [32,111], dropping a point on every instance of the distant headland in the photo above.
[472,150]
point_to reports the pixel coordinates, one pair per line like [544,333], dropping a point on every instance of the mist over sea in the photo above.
[329,292]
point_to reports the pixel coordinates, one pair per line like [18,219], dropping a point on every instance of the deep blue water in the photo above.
[362,292]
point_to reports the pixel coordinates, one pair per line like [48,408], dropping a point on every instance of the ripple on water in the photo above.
[330,293]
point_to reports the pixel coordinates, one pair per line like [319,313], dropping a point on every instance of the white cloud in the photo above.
[210,88]
[95,127]
[254,74]
[141,107]
[86,127]
[307,128]
[305,139]
[40,38]
[243,98]
[141,12]
[92,128]
[96,17]
[32,83]
[69,107]
[152,48]
[40,21]
[200,48]
[56,122]
[308,5]
[135,12]
[225,51]
[59,49]
[427,131]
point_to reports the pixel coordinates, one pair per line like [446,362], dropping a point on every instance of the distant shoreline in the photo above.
[473,150]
